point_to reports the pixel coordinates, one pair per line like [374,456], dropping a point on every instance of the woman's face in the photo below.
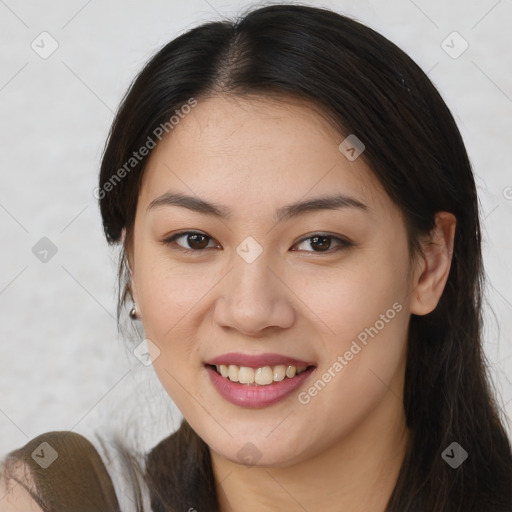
[268,285]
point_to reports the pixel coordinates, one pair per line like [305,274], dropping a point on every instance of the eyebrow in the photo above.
[331,202]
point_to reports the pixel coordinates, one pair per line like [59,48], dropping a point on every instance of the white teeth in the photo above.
[233,372]
[279,372]
[246,375]
[291,371]
[261,376]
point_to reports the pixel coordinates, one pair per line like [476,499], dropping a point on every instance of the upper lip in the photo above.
[256,361]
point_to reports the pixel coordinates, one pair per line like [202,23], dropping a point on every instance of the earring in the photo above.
[134,315]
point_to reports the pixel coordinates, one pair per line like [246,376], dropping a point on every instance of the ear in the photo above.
[432,272]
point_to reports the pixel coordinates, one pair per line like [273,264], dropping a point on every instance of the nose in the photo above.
[254,299]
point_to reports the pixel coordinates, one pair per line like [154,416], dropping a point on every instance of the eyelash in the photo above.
[171,241]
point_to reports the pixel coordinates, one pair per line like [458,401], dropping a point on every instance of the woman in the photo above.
[300,239]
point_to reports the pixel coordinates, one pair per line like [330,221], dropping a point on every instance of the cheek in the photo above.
[355,296]
[168,300]
[364,337]
[168,292]
[363,314]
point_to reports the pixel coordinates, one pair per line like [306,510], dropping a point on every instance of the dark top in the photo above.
[64,471]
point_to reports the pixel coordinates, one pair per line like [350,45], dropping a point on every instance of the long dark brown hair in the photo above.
[368,86]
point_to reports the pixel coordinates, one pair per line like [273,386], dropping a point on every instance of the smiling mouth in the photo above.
[262,376]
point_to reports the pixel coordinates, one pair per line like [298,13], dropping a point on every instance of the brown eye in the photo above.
[197,241]
[322,243]
[193,241]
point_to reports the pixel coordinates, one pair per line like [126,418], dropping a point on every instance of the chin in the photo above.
[261,450]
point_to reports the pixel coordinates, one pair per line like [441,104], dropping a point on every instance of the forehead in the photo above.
[253,147]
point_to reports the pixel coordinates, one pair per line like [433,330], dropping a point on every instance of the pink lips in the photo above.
[253,395]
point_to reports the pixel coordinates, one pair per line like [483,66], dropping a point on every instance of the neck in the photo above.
[358,473]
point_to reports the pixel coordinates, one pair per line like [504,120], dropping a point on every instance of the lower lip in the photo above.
[252,395]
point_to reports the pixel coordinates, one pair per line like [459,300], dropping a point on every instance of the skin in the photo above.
[14,497]
[343,449]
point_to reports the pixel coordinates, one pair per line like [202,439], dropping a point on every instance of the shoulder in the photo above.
[58,470]
[17,492]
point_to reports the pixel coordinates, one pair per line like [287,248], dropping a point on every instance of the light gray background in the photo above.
[62,364]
